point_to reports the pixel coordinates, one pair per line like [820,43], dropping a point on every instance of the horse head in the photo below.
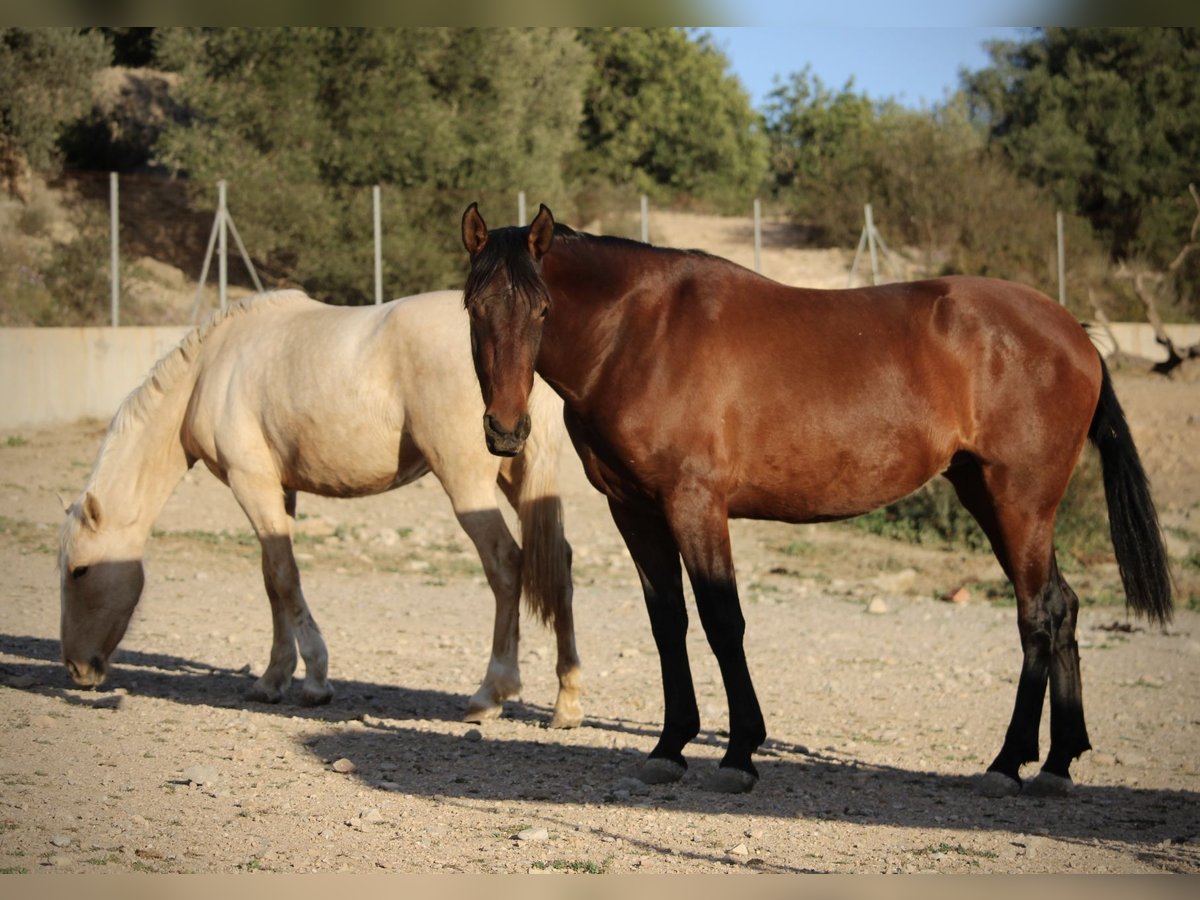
[100,581]
[508,303]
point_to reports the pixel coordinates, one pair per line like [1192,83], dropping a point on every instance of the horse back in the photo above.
[805,405]
[323,396]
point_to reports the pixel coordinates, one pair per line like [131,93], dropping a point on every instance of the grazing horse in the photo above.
[279,394]
[696,390]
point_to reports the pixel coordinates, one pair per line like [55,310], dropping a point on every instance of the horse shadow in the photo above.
[395,750]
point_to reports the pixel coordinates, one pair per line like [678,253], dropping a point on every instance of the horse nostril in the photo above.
[522,430]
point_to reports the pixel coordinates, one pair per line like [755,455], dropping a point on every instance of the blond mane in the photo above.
[172,370]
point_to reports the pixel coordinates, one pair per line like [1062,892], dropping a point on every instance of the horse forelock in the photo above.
[507,252]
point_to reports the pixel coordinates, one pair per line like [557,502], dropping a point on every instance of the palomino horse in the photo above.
[696,391]
[281,394]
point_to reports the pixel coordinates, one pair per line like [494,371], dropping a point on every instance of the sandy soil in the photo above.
[882,701]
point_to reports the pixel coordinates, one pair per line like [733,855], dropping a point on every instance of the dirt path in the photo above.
[877,719]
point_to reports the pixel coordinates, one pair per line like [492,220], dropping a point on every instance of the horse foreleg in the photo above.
[501,558]
[568,711]
[701,527]
[270,513]
[656,556]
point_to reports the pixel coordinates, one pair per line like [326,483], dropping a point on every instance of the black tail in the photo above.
[1132,519]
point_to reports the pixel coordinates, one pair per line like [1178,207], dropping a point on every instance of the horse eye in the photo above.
[79,572]
[545,312]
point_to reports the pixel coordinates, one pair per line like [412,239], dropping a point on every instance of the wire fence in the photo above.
[152,217]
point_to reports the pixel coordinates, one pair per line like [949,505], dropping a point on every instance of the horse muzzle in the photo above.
[88,674]
[502,441]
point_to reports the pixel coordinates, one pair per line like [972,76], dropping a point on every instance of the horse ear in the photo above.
[90,511]
[541,232]
[474,230]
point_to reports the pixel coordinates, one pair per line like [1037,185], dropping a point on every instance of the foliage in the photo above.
[56,282]
[931,179]
[662,114]
[45,83]
[1108,120]
[302,121]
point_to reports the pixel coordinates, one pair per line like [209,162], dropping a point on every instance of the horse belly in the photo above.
[352,464]
[838,478]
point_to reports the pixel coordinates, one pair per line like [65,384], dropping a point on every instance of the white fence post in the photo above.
[222,245]
[871,244]
[520,207]
[757,235]
[115,254]
[1062,260]
[645,220]
[378,216]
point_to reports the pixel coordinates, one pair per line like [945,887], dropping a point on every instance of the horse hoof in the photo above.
[727,780]
[318,697]
[567,718]
[477,715]
[656,770]
[997,784]
[1047,784]
[260,693]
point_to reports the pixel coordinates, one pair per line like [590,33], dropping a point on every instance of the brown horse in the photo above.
[696,390]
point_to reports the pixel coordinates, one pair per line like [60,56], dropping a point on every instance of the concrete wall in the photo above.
[1137,338]
[54,375]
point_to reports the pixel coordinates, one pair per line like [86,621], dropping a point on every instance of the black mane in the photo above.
[507,249]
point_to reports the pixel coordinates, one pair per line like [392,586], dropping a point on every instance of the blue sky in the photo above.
[911,50]
[915,65]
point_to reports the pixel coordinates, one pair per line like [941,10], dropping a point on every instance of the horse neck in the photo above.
[588,286]
[142,458]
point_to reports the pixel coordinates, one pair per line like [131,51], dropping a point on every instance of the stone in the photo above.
[201,775]
[473,734]
[959,596]
[343,766]
[739,850]
[533,834]
[60,840]
[877,607]
[22,681]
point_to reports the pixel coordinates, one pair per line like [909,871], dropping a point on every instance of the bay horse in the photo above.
[696,390]
[280,394]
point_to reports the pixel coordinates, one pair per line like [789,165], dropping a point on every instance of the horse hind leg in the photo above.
[270,512]
[530,482]
[1021,533]
[1068,731]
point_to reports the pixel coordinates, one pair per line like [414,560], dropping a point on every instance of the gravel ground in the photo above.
[882,702]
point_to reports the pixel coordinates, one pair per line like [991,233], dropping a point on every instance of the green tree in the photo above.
[1108,119]
[45,83]
[933,183]
[820,145]
[663,115]
[301,121]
